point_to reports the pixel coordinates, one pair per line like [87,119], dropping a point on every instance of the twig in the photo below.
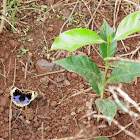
[69,16]
[80,92]
[93,14]
[42,133]
[48,73]
[124,127]
[122,59]
[3,13]
[27,63]
[10,118]
[14,73]
[131,113]
[132,3]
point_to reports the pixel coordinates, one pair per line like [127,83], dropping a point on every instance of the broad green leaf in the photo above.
[124,72]
[130,24]
[101,138]
[119,107]
[105,31]
[85,67]
[76,38]
[107,108]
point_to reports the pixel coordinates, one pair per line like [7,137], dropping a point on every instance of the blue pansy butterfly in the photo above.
[20,97]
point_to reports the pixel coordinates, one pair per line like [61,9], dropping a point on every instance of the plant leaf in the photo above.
[130,24]
[119,107]
[124,72]
[107,108]
[101,138]
[85,67]
[76,38]
[105,31]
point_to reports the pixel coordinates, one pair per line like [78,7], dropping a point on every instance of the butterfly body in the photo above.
[20,97]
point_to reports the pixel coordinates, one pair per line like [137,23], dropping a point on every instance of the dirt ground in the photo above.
[54,114]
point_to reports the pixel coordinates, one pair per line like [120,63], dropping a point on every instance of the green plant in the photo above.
[123,72]
[12,10]
[26,30]
[24,50]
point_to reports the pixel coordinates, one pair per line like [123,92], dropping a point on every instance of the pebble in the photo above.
[27,121]
[50,29]
[43,65]
[53,103]
[73,113]
[66,13]
[74,75]
[66,82]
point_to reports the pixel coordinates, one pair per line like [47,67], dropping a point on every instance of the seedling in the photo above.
[24,50]
[18,56]
[48,56]
[63,118]
[26,30]
[123,72]
[12,10]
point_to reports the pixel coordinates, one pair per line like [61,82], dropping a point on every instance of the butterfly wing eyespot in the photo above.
[20,97]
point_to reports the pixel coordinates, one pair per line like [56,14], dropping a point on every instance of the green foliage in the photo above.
[105,32]
[101,138]
[128,25]
[119,107]
[84,67]
[24,50]
[76,38]
[123,72]
[106,107]
[12,10]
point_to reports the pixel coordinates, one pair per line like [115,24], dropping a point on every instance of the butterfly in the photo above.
[21,97]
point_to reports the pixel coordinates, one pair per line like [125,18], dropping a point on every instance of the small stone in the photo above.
[66,13]
[66,82]
[27,121]
[50,29]
[53,103]
[73,113]
[74,75]
[43,65]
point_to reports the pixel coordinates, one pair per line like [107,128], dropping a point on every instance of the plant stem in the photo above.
[106,66]
[104,81]
[2,18]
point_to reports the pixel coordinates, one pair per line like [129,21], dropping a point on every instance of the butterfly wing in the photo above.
[20,97]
